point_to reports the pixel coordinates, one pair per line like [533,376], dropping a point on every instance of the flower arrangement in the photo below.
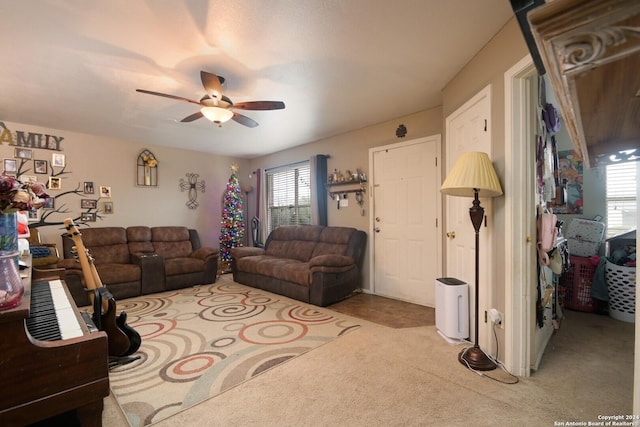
[150,161]
[19,196]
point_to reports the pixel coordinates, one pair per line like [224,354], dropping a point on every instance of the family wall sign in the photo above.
[29,139]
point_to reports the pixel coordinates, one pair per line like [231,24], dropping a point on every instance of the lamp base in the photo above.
[474,358]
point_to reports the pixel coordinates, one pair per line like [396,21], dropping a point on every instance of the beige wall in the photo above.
[488,67]
[112,162]
[351,151]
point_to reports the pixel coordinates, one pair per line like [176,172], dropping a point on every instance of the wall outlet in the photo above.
[496,317]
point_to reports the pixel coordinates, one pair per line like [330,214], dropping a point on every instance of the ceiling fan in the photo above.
[217,107]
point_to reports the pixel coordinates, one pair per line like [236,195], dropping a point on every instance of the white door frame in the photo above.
[519,218]
[486,275]
[438,244]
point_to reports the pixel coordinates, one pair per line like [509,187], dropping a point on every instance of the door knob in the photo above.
[451,234]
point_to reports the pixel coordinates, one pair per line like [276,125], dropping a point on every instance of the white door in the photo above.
[468,129]
[406,211]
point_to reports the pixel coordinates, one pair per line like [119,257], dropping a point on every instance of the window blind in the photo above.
[288,195]
[621,197]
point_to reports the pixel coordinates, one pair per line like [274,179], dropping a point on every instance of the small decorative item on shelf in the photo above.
[147,169]
[339,185]
[337,177]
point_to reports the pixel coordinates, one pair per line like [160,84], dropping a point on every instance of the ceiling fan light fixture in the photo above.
[217,114]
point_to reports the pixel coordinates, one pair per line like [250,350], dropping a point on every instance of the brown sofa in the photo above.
[140,260]
[314,264]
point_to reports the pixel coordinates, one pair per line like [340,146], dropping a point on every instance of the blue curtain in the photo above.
[319,196]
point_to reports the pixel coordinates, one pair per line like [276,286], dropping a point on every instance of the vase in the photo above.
[11,286]
[9,232]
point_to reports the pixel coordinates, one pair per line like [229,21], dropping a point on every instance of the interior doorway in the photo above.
[405,228]
[520,233]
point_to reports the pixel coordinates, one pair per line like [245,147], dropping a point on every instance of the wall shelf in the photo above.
[346,187]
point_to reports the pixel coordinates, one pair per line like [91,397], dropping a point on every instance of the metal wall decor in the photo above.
[193,186]
[147,169]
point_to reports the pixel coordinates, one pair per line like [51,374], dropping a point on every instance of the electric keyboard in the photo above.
[51,362]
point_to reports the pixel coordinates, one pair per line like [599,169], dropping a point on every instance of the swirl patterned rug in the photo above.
[198,342]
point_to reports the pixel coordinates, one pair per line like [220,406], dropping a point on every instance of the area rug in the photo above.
[199,342]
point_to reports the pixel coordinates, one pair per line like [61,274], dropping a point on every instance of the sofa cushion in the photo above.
[118,273]
[333,241]
[171,242]
[103,236]
[139,239]
[297,272]
[173,266]
[300,250]
[295,242]
[250,263]
[278,248]
[269,266]
[107,245]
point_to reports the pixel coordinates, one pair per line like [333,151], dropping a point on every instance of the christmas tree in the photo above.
[232,229]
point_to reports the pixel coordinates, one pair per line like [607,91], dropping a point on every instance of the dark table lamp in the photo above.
[473,175]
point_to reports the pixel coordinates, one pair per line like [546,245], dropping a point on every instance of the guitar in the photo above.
[122,339]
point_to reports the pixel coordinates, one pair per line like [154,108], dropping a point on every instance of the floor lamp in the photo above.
[473,175]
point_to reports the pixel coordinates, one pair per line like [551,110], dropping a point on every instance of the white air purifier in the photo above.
[452,309]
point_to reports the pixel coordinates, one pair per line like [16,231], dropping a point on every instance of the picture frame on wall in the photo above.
[88,216]
[88,204]
[54,183]
[40,166]
[57,160]
[88,187]
[22,153]
[10,166]
[107,208]
[49,203]
[105,191]
[33,215]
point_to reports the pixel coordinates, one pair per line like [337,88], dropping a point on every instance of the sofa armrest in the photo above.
[152,275]
[331,261]
[331,264]
[243,251]
[204,253]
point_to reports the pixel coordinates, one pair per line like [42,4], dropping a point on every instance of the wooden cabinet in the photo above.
[591,51]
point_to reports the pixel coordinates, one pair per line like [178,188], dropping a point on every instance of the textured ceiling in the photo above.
[338,65]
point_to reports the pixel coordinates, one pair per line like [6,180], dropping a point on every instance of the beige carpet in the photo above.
[201,341]
[380,376]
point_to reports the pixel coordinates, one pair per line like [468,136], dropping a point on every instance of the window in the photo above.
[288,195]
[621,197]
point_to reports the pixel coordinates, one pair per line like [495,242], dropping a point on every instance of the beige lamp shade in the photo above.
[473,170]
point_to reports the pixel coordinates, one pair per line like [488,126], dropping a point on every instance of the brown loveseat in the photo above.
[314,264]
[140,260]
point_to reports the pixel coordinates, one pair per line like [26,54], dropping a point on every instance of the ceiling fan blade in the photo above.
[179,98]
[260,105]
[244,120]
[194,116]
[211,84]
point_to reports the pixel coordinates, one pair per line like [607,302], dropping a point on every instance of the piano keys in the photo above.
[52,317]
[45,377]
